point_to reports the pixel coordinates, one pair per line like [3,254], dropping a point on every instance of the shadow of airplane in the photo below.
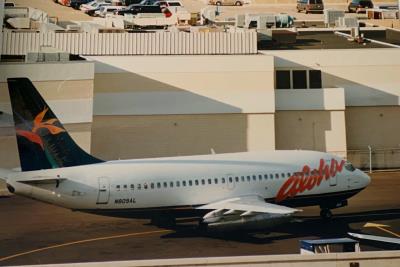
[302,227]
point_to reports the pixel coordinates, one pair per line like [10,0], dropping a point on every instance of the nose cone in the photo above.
[365,179]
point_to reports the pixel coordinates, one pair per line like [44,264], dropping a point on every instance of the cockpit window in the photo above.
[349,167]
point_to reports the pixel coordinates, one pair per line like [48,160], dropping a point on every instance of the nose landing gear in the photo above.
[326,214]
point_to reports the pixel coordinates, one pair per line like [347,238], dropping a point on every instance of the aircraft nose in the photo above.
[365,178]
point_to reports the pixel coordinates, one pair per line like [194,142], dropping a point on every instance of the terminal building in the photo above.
[342,99]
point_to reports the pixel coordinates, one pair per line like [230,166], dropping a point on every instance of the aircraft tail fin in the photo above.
[43,142]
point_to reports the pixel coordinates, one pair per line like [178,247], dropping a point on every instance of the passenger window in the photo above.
[190,182]
[209,181]
[260,177]
[171,184]
[254,177]
[242,178]
[237,179]
[152,185]
[230,179]
[139,186]
[271,176]
[265,176]
[248,178]
[289,174]
[165,184]
[158,185]
[178,184]
[276,175]
[125,186]
[118,187]
[196,182]
[132,186]
[223,180]
[145,186]
[203,182]
[184,183]
[216,180]
[282,175]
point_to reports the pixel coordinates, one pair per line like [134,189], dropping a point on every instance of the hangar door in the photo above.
[104,191]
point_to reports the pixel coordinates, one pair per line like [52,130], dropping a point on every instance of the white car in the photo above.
[104,10]
[91,7]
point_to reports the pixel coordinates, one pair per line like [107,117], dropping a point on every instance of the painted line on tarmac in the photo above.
[83,241]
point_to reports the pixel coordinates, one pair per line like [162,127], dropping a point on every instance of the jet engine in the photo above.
[229,220]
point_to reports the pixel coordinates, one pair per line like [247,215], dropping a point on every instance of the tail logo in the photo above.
[38,123]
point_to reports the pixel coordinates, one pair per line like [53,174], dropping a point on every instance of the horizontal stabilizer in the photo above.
[42,180]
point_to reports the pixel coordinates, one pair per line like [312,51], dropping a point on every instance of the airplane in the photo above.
[232,191]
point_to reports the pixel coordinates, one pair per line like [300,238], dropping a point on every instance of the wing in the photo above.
[250,203]
[243,210]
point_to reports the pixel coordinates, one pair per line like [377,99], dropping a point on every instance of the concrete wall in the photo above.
[370,78]
[68,89]
[182,105]
[311,119]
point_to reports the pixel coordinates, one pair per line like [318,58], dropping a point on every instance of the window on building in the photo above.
[282,78]
[299,79]
[315,79]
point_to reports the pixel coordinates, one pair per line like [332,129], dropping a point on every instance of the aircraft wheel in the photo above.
[326,214]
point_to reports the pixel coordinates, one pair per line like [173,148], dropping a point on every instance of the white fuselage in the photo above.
[190,180]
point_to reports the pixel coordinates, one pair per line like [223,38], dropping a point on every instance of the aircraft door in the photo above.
[333,181]
[104,191]
[230,182]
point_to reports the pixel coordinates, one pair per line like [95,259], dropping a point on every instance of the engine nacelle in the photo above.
[254,222]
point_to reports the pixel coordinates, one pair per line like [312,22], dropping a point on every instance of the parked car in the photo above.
[359,6]
[91,7]
[104,10]
[77,3]
[310,6]
[226,2]
[135,9]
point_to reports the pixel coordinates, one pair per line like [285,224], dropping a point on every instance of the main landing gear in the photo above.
[326,214]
